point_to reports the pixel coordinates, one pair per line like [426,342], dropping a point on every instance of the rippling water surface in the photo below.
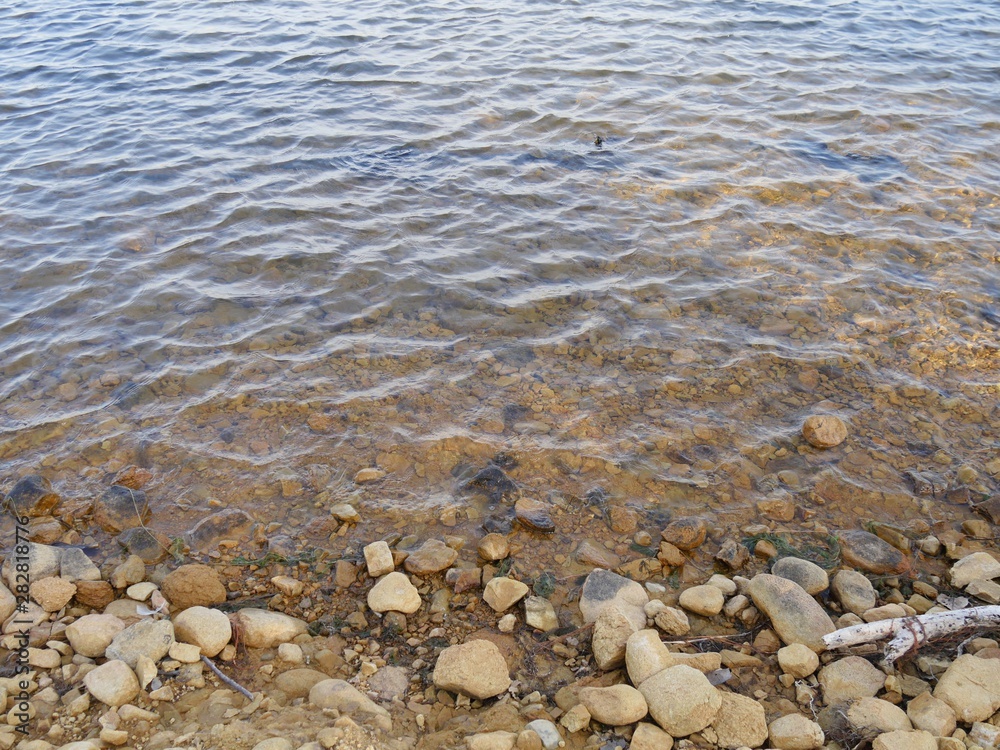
[258,246]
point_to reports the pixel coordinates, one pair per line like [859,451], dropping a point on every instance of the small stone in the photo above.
[864,550]
[494,547]
[795,732]
[498,740]
[979,566]
[209,629]
[75,566]
[296,683]
[347,699]
[120,508]
[985,735]
[140,591]
[185,653]
[971,686]
[378,558]
[394,593]
[777,509]
[52,594]
[726,585]
[797,660]
[850,678]
[794,614]
[150,638]
[345,512]
[615,706]
[740,722]
[824,430]
[432,557]
[540,614]
[932,715]
[368,475]
[590,553]
[988,591]
[576,719]
[288,586]
[91,635]
[681,700]
[885,612]
[854,591]
[547,733]
[345,574]
[145,671]
[503,593]
[476,669]
[534,514]
[808,575]
[611,632]
[193,586]
[603,589]
[650,737]
[113,683]
[132,571]
[702,600]
[265,629]
[670,556]
[507,623]
[44,658]
[686,533]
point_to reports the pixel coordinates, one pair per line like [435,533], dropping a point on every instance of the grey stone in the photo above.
[808,575]
[347,699]
[74,565]
[862,549]
[604,588]
[120,508]
[149,638]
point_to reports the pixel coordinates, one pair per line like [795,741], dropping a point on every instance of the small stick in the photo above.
[232,683]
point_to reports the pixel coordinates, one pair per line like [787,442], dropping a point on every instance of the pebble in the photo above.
[798,660]
[740,722]
[368,475]
[685,533]
[265,629]
[347,699]
[848,679]
[493,547]
[603,588]
[140,591]
[795,732]
[681,700]
[864,550]
[476,669]
[726,585]
[824,430]
[149,638]
[91,635]
[502,593]
[288,586]
[192,586]
[540,614]
[378,559]
[113,683]
[987,591]
[615,706]
[547,732]
[672,621]
[576,719]
[979,566]
[702,600]
[854,591]
[808,575]
[971,686]
[432,557]
[794,614]
[507,623]
[394,593]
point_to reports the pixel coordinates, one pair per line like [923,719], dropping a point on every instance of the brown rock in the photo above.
[133,477]
[193,586]
[623,520]
[686,533]
[231,523]
[121,508]
[824,430]
[534,514]
[861,549]
[432,557]
[777,508]
[95,594]
[33,496]
[670,556]
[592,553]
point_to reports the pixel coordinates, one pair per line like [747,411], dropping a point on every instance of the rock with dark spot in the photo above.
[534,514]
[498,524]
[492,482]
[861,549]
[734,556]
[231,523]
[686,533]
[33,496]
[152,546]
[121,508]
[603,589]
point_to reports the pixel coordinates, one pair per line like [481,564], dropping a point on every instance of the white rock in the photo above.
[394,593]
[547,732]
[905,740]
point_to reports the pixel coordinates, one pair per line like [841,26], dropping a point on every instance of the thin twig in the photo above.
[232,683]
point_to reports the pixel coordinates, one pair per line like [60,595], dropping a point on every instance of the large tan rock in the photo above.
[476,669]
[615,706]
[741,722]
[681,700]
[795,732]
[905,740]
[394,593]
[932,715]
[971,686]
[612,630]
[209,629]
[979,566]
[91,635]
[875,714]
[848,679]
[193,586]
[646,655]
[113,683]
[261,628]
[52,594]
[795,615]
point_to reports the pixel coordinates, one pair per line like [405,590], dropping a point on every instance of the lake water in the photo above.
[256,247]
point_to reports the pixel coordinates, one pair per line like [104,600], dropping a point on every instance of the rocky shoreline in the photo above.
[676,639]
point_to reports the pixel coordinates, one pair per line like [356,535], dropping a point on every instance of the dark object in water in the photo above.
[492,482]
[867,167]
[598,141]
[498,524]
[126,395]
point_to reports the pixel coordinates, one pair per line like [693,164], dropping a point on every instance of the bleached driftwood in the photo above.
[911,632]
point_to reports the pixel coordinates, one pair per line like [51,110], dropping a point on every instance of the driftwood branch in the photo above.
[232,683]
[910,632]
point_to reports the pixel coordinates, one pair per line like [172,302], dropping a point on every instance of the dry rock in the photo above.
[347,699]
[498,740]
[394,593]
[43,562]
[193,586]
[149,638]
[681,700]
[850,678]
[876,714]
[854,591]
[795,732]
[265,629]
[91,635]
[672,621]
[209,629]
[113,683]
[378,558]
[502,593]
[604,588]
[824,430]
[808,575]
[615,706]
[74,566]
[702,600]
[740,722]
[540,614]
[52,594]
[476,669]
[979,566]
[432,557]
[296,683]
[646,655]
[932,715]
[971,686]
[794,614]
[650,737]
[905,740]
[798,660]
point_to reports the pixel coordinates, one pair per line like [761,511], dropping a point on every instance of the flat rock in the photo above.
[808,575]
[149,638]
[347,699]
[971,686]
[432,557]
[91,635]
[476,669]
[262,628]
[979,566]
[589,552]
[502,593]
[824,430]
[866,714]
[33,496]
[681,700]
[209,629]
[795,732]
[52,594]
[498,740]
[615,706]
[604,588]
[795,615]
[686,533]
[394,593]
[702,600]
[378,559]
[932,715]
[74,565]
[864,550]
[612,630]
[540,614]
[534,514]
[740,722]
[113,683]
[193,586]
[854,591]
[848,679]
[119,508]
[905,740]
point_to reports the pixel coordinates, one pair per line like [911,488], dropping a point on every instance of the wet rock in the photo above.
[432,557]
[808,575]
[231,523]
[113,683]
[369,475]
[209,629]
[650,737]
[133,477]
[52,594]
[149,638]
[534,514]
[779,508]
[498,740]
[591,553]
[540,614]
[604,588]
[905,740]
[686,533]
[854,591]
[848,679]
[824,430]
[866,714]
[33,496]
[503,593]
[494,547]
[702,600]
[734,556]
[795,732]
[120,508]
[150,546]
[646,655]
[623,520]
[262,628]
[378,559]
[94,594]
[492,482]
[861,549]
[193,585]
[74,565]
[672,621]
[971,686]
[670,556]
[615,706]
[91,635]
[932,715]
[347,699]
[681,700]
[740,722]
[43,562]
[797,660]
[979,566]
[795,615]
[612,630]
[476,669]
[394,593]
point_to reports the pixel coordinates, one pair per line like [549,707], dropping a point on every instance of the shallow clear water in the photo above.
[264,241]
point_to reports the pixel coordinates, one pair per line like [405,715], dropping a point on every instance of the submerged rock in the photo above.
[824,430]
[33,496]
[862,549]
[534,514]
[120,508]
